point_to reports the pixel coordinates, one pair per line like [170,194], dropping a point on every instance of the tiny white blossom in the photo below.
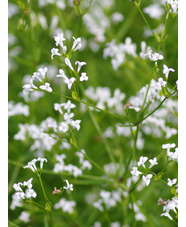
[83,77]
[67,62]
[69,186]
[46,87]
[168,146]
[173,155]
[68,106]
[41,161]
[43,71]
[57,107]
[68,116]
[154,56]
[59,39]
[135,171]
[161,82]
[61,74]
[76,124]
[76,44]
[142,161]
[17,186]
[31,165]
[80,64]
[166,71]
[54,51]
[153,162]
[24,216]
[147,178]
[171,182]
[63,127]
[69,82]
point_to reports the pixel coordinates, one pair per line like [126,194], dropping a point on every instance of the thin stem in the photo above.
[41,183]
[137,5]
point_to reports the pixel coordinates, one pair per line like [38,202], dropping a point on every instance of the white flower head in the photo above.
[142,161]
[69,186]
[24,216]
[46,87]
[54,51]
[166,71]
[76,44]
[68,106]
[76,124]
[147,179]
[83,77]
[42,71]
[63,127]
[135,171]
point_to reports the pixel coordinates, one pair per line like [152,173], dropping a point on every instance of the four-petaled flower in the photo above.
[80,64]
[69,186]
[83,77]
[54,51]
[171,182]
[142,161]
[135,171]
[147,179]
[46,87]
[153,162]
[166,70]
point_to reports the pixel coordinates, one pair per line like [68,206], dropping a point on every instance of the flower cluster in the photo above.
[102,95]
[117,52]
[65,205]
[72,169]
[64,126]
[39,78]
[32,164]
[19,195]
[147,177]
[17,109]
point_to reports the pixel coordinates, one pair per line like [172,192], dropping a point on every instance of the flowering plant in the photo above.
[93,113]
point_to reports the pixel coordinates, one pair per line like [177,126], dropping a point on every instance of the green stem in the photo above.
[43,190]
[137,5]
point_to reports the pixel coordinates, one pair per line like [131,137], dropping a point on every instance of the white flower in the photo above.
[167,215]
[57,107]
[153,56]
[83,77]
[147,178]
[76,44]
[28,183]
[171,182]
[68,116]
[117,17]
[173,155]
[17,186]
[135,171]
[98,205]
[54,51]
[166,71]
[69,186]
[61,74]
[80,64]
[29,193]
[66,206]
[86,164]
[76,124]
[59,39]
[168,146]
[46,87]
[69,82]
[67,62]
[43,71]
[161,82]
[63,127]
[31,165]
[41,161]
[142,161]
[153,162]
[68,106]
[24,216]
